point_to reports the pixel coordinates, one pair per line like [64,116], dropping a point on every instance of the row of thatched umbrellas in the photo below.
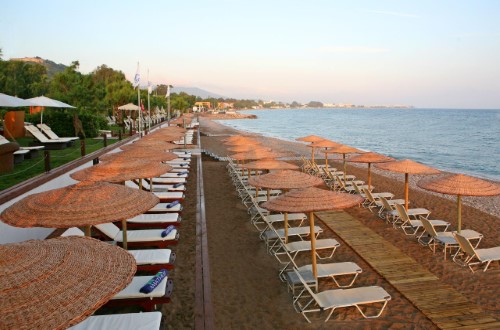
[302,197]
[310,199]
[450,184]
[59,282]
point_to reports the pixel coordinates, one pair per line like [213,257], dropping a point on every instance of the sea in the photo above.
[454,140]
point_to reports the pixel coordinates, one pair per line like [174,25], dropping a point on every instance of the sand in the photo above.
[246,290]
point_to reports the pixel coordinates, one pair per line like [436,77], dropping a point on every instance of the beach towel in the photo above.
[167,230]
[154,281]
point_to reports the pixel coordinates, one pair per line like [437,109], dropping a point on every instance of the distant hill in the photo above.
[162,90]
[196,92]
[52,67]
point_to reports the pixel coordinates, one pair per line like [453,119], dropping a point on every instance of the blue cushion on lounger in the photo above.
[177,185]
[182,173]
[170,205]
[154,281]
[182,165]
[167,231]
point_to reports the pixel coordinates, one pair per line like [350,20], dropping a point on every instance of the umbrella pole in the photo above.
[286,227]
[150,184]
[312,154]
[313,244]
[140,184]
[326,160]
[268,194]
[345,168]
[369,176]
[256,192]
[459,213]
[124,231]
[406,191]
[87,230]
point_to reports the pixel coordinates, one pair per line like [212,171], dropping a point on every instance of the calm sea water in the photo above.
[461,141]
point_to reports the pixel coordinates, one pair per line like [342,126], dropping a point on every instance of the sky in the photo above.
[426,53]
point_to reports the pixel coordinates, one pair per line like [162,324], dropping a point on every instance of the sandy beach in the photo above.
[246,290]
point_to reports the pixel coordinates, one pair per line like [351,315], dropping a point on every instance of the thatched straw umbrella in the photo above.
[369,158]
[312,139]
[460,185]
[407,167]
[327,144]
[242,141]
[57,283]
[82,204]
[245,148]
[154,144]
[139,153]
[343,149]
[122,170]
[269,164]
[255,154]
[312,200]
[285,179]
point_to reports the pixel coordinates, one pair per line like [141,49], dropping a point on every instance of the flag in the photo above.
[168,91]
[150,87]
[137,77]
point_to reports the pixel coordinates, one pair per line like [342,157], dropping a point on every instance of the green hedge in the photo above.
[61,122]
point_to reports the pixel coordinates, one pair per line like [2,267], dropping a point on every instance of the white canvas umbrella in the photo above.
[43,101]
[12,101]
[129,106]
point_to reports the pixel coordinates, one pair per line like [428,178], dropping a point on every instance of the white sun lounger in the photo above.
[146,259]
[138,237]
[271,236]
[132,321]
[162,208]
[331,270]
[175,175]
[411,226]
[179,169]
[132,296]
[45,141]
[184,154]
[479,256]
[337,298]
[179,161]
[53,136]
[152,256]
[156,220]
[292,249]
[170,195]
[131,291]
[169,180]
[163,187]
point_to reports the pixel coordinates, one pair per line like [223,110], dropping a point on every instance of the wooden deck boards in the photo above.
[443,305]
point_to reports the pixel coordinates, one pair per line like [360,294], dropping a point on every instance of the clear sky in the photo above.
[425,53]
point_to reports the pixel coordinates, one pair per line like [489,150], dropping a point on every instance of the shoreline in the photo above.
[489,205]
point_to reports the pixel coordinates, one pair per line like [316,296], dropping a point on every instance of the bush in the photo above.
[61,122]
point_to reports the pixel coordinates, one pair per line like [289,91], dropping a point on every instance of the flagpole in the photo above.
[149,109]
[140,111]
[168,105]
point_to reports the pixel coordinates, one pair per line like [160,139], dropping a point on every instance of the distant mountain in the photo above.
[52,67]
[196,92]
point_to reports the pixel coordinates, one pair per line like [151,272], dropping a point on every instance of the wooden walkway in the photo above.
[443,305]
